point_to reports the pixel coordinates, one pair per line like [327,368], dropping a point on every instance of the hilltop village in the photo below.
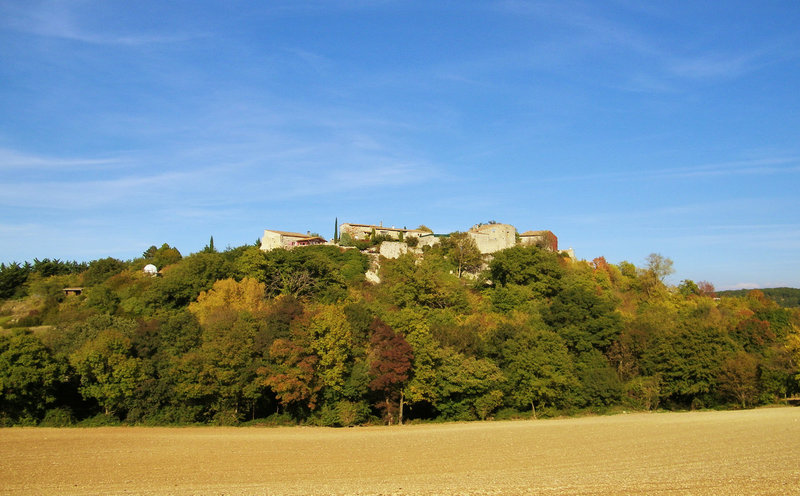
[479,324]
[489,238]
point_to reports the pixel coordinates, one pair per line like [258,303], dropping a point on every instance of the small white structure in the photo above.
[150,270]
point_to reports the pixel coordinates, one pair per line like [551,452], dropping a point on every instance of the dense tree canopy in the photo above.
[301,336]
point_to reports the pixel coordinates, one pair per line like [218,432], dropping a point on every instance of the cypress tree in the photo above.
[209,248]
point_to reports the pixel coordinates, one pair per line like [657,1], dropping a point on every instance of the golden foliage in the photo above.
[247,295]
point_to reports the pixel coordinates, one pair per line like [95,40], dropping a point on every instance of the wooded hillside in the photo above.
[300,336]
[785,297]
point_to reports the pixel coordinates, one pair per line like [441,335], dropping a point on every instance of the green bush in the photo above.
[509,413]
[342,414]
[34,318]
[226,417]
[99,420]
[58,417]
[274,420]
[352,413]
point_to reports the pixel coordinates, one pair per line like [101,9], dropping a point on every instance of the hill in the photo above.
[302,336]
[785,297]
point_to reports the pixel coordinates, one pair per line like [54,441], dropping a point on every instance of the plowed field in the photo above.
[714,453]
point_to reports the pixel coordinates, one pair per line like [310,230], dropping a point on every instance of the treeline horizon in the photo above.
[300,336]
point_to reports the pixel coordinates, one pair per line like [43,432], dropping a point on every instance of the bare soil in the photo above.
[697,453]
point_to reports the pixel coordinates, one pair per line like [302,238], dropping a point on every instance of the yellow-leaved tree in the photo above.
[793,344]
[229,295]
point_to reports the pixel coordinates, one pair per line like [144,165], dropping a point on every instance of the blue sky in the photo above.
[625,127]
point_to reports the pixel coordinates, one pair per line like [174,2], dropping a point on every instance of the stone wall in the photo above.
[271,240]
[393,249]
[364,231]
[490,238]
[427,240]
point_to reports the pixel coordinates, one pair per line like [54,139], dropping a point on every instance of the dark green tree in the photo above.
[161,257]
[527,266]
[109,371]
[185,280]
[102,269]
[12,279]
[209,248]
[688,360]
[599,384]
[29,377]
[466,387]
[539,369]
[583,315]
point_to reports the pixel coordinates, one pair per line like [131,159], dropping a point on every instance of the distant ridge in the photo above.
[785,297]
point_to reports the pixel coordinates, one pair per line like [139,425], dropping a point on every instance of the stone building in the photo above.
[543,239]
[493,237]
[364,231]
[288,240]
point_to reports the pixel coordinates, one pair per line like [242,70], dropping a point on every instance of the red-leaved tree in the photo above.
[390,367]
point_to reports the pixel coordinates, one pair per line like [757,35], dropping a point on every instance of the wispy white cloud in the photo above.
[762,166]
[661,65]
[708,66]
[58,19]
[12,231]
[200,181]
[644,82]
[392,174]
[86,194]
[586,20]
[13,159]
[319,63]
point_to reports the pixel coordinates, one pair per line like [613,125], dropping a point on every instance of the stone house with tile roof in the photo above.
[288,240]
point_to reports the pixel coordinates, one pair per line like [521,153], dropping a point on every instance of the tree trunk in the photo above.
[400,414]
[533,407]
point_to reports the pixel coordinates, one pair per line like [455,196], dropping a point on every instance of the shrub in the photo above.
[486,404]
[351,413]
[342,414]
[643,393]
[99,420]
[226,417]
[58,417]
[509,413]
[274,420]
[34,318]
